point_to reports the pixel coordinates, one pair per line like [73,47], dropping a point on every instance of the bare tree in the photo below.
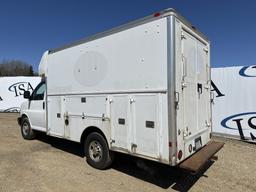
[15,68]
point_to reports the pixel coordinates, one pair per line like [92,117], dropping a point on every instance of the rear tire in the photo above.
[97,152]
[26,131]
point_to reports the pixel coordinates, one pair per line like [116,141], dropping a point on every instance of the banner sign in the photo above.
[234,104]
[12,90]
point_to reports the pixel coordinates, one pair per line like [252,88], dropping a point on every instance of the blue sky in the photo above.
[29,27]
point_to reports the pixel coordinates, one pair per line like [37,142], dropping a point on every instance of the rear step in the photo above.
[196,161]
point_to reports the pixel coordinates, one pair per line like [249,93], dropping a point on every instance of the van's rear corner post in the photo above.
[171,88]
[189,96]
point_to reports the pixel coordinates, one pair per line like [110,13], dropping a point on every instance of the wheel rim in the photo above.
[25,128]
[95,151]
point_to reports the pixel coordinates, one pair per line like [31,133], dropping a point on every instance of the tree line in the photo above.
[16,68]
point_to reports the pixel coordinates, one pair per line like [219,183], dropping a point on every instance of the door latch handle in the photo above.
[43,105]
[199,88]
[133,147]
[207,123]
[184,65]
[183,85]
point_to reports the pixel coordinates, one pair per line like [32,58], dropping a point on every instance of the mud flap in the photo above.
[197,160]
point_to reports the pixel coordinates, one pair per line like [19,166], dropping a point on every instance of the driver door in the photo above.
[36,108]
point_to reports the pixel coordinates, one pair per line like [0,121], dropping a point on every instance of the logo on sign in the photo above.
[19,88]
[240,122]
[248,71]
[216,90]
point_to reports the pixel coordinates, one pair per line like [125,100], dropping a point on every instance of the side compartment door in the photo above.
[145,118]
[55,116]
[119,121]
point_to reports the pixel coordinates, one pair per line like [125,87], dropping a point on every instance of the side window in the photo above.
[38,94]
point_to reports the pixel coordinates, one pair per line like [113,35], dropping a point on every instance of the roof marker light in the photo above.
[157,14]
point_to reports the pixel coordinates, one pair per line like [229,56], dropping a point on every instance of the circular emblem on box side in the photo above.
[90,69]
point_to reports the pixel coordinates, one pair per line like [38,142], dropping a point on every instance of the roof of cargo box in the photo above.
[155,16]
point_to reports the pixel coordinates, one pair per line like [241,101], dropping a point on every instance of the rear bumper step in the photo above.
[197,160]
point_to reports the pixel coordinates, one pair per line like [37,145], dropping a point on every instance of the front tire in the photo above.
[26,131]
[97,152]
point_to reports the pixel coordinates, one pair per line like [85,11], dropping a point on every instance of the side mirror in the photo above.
[26,95]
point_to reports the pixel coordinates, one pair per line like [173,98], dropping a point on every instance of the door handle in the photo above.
[199,88]
[43,105]
[212,97]
[184,65]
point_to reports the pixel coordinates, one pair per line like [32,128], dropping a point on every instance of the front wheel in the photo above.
[26,131]
[97,152]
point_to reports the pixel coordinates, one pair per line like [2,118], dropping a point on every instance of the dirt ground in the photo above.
[50,164]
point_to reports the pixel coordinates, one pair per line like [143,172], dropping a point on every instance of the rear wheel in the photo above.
[97,152]
[26,131]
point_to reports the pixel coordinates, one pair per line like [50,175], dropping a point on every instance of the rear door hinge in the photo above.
[177,100]
[206,50]
[183,84]
[183,36]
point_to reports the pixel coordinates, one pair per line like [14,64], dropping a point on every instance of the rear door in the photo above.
[195,92]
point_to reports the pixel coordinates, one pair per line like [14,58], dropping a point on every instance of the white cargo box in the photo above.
[144,85]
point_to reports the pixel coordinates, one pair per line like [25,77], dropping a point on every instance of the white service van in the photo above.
[142,89]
